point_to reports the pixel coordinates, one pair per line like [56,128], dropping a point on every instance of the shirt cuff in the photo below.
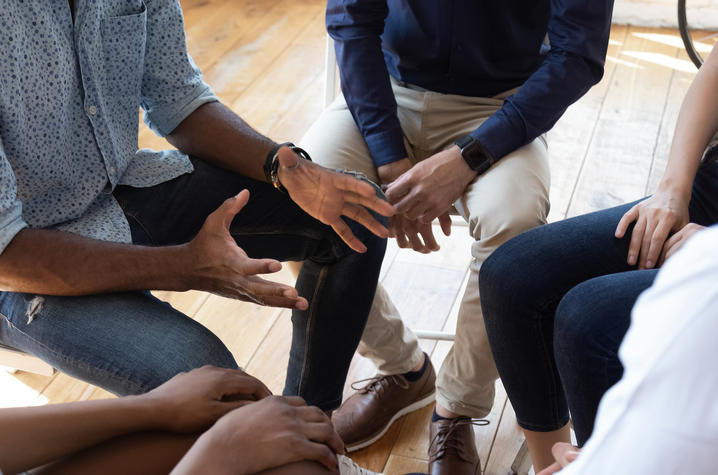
[11,223]
[163,120]
[502,133]
[386,147]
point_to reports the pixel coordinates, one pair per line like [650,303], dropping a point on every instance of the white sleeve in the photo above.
[662,416]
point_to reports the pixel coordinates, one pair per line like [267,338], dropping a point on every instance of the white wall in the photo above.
[702,13]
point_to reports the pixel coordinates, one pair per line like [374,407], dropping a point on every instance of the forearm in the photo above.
[57,263]
[697,123]
[33,436]
[216,134]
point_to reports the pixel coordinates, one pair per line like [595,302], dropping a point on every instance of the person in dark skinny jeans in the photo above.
[557,299]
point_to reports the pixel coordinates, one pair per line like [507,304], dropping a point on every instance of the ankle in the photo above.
[444,413]
[418,371]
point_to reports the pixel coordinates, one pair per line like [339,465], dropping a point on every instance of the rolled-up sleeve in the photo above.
[11,221]
[172,85]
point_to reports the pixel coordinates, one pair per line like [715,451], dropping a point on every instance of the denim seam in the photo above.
[552,380]
[73,362]
[310,320]
[144,228]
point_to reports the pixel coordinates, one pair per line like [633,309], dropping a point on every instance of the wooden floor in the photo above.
[264,59]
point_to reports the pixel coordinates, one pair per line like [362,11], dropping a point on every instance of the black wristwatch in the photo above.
[271,163]
[475,154]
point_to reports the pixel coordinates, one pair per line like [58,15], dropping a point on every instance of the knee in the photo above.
[507,275]
[581,319]
[201,350]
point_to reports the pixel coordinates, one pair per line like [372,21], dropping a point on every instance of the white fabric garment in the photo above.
[662,416]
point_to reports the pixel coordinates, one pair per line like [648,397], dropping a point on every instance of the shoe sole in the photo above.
[402,412]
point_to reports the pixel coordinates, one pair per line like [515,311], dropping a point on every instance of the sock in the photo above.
[436,417]
[412,376]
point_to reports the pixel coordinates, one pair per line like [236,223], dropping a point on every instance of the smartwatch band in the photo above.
[271,163]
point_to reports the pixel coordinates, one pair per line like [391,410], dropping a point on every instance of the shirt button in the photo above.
[92,110]
[112,170]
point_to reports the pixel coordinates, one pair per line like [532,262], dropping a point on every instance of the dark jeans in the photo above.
[131,342]
[557,302]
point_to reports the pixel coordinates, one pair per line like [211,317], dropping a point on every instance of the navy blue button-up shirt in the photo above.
[468,47]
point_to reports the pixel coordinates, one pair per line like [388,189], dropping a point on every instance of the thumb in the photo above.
[287,158]
[231,207]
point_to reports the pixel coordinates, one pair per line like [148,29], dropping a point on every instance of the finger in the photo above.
[295,401]
[427,234]
[313,414]
[628,217]
[646,242]
[564,453]
[551,469]
[260,266]
[635,244]
[260,287]
[413,235]
[324,432]
[660,234]
[341,228]
[373,202]
[320,453]
[398,188]
[236,382]
[445,223]
[398,223]
[231,206]
[363,217]
[674,247]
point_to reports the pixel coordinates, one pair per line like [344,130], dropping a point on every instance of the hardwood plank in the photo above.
[506,445]
[570,137]
[64,388]
[618,161]
[269,362]
[242,326]
[375,456]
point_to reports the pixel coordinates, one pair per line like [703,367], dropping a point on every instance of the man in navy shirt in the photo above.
[445,104]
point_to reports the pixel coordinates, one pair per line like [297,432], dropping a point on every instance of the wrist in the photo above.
[462,165]
[393,170]
[679,190]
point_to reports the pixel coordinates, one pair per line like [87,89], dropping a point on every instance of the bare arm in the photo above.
[187,403]
[666,212]
[216,134]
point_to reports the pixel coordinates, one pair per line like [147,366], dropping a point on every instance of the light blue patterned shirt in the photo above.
[69,101]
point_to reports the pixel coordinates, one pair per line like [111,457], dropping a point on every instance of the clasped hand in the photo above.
[423,193]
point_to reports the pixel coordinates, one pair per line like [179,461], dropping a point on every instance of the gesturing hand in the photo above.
[430,188]
[656,218]
[218,265]
[328,195]
[270,433]
[193,401]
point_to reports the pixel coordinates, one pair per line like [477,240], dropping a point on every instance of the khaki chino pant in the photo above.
[511,197]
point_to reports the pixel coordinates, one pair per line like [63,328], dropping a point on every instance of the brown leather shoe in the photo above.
[452,450]
[369,412]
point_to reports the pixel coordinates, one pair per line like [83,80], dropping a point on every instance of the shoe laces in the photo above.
[380,382]
[348,467]
[445,441]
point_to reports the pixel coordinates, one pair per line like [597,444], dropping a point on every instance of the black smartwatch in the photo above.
[475,154]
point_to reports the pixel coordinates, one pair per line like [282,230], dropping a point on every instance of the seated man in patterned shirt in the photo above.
[88,223]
